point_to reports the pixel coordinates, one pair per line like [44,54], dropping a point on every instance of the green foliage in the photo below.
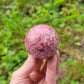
[18,16]
[60,2]
[74,82]
[68,62]
[66,79]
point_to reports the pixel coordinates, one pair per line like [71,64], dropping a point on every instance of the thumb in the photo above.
[30,64]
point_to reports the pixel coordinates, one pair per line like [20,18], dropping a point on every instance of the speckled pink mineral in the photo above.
[42,41]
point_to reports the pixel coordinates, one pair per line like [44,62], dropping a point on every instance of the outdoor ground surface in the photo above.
[65,16]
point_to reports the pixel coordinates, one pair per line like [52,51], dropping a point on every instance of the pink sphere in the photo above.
[42,41]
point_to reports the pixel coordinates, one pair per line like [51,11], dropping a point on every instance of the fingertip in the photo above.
[53,58]
[36,60]
[57,52]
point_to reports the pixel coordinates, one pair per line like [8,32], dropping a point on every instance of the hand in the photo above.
[31,72]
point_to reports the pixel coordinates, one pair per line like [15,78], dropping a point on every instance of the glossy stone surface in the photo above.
[42,41]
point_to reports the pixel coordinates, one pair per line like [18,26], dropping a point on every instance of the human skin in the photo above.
[42,41]
[31,72]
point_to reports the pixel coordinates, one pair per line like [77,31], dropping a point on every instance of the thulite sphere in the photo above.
[42,41]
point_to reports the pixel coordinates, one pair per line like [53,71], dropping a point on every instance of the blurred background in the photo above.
[65,16]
